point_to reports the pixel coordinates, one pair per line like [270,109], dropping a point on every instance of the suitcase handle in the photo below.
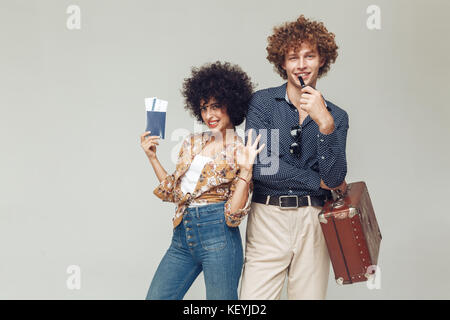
[339,197]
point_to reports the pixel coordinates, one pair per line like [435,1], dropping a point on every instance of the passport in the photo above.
[156,116]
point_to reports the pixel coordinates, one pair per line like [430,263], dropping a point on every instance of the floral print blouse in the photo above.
[216,183]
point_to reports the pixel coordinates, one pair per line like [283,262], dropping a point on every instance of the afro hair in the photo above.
[226,83]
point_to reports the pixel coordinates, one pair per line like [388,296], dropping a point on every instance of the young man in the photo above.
[304,159]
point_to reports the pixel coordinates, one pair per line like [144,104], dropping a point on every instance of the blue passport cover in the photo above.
[156,123]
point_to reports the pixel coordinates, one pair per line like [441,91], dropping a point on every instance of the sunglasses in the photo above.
[296,133]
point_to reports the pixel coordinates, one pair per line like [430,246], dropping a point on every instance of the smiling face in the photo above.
[215,116]
[305,61]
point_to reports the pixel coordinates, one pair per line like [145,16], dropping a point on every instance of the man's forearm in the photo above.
[331,155]
[326,125]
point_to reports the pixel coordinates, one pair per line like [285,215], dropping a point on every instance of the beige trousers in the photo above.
[282,243]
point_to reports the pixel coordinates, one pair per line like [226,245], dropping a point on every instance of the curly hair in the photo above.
[290,36]
[226,83]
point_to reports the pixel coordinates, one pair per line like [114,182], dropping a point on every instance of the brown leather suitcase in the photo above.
[352,234]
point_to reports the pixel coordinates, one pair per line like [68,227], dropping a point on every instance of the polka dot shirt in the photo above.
[322,157]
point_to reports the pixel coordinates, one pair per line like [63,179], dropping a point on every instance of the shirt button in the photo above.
[323,157]
[321,140]
[290,191]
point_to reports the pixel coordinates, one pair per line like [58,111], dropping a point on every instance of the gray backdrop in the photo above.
[76,187]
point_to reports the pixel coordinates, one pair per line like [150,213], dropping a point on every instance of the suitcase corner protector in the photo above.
[352,212]
[322,218]
[340,281]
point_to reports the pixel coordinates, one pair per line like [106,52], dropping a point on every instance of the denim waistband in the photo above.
[209,208]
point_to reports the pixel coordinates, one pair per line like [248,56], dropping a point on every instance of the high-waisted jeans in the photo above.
[201,242]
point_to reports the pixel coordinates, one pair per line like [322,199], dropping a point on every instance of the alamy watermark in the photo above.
[373,21]
[374,279]
[74,19]
[269,159]
[73,282]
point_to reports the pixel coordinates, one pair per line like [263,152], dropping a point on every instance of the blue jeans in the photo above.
[201,242]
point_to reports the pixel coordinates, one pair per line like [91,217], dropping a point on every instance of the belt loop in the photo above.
[267,200]
[309,200]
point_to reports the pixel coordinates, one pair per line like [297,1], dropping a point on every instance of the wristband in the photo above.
[248,183]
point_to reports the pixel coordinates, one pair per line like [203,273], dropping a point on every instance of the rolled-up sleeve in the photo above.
[233,219]
[164,190]
[331,154]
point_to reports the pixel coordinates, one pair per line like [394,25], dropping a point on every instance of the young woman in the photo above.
[211,186]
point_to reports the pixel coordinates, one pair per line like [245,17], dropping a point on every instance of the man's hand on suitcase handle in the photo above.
[341,188]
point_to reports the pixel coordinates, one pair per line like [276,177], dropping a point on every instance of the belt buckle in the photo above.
[282,197]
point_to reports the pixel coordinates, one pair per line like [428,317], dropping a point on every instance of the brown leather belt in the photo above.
[289,202]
